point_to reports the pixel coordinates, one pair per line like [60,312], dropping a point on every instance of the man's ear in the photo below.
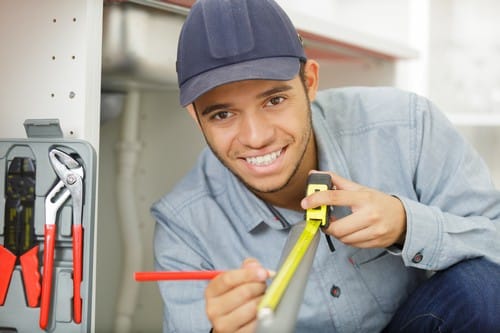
[192,112]
[311,78]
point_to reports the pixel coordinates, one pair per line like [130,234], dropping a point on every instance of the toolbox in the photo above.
[47,220]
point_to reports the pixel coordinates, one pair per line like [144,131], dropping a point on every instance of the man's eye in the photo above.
[275,100]
[221,115]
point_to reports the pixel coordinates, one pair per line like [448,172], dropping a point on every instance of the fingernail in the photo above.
[303,203]
[271,274]
[262,274]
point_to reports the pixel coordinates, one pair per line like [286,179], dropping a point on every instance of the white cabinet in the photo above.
[50,66]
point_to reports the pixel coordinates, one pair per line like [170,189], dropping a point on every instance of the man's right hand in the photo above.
[232,298]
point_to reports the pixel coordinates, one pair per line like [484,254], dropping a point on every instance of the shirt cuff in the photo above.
[424,227]
[395,250]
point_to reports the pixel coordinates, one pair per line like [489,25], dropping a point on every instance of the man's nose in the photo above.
[256,131]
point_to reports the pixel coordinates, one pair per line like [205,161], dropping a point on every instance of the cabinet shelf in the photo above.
[323,39]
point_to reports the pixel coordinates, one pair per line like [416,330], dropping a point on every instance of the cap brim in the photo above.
[279,68]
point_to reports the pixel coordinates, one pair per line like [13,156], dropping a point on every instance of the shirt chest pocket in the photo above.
[386,277]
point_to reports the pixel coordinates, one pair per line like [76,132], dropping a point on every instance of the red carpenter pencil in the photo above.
[175,275]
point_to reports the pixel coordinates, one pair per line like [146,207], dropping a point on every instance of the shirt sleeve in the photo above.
[175,249]
[457,213]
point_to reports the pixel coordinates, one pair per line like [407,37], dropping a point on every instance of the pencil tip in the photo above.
[271,274]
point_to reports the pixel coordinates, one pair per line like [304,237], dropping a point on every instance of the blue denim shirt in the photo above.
[393,141]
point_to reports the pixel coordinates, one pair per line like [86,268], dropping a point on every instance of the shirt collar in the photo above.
[250,209]
[330,155]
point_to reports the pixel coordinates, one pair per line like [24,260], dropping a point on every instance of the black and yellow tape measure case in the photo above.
[43,290]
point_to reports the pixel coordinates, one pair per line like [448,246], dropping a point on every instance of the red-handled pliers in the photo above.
[70,173]
[20,245]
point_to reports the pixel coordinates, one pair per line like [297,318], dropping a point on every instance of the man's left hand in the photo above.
[377,219]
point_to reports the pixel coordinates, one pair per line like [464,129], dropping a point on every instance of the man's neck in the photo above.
[288,197]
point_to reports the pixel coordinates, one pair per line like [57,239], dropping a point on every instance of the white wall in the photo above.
[464,52]
[464,71]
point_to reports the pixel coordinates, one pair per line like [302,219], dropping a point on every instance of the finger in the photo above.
[347,225]
[364,234]
[242,319]
[340,182]
[250,262]
[335,198]
[226,281]
[373,243]
[357,237]
[362,237]
[235,298]
[249,328]
[254,263]
[249,312]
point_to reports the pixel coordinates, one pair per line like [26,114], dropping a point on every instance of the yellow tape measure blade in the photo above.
[277,288]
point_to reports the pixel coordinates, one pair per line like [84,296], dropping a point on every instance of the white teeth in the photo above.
[264,159]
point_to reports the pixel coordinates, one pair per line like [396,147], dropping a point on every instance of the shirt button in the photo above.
[335,291]
[417,258]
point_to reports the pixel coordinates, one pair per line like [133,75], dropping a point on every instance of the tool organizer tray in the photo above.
[16,315]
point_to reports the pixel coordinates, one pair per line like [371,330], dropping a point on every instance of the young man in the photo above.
[411,195]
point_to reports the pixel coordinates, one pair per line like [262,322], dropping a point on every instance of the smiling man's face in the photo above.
[261,130]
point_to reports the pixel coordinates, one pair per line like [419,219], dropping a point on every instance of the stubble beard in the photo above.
[305,139]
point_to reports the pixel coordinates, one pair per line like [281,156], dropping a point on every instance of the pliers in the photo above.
[71,174]
[20,245]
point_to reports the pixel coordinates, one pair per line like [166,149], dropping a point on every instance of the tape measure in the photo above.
[315,218]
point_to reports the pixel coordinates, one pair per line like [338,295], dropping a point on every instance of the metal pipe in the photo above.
[131,236]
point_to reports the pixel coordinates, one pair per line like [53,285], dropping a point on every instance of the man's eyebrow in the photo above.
[274,90]
[212,108]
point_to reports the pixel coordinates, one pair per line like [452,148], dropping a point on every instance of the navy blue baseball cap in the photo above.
[225,41]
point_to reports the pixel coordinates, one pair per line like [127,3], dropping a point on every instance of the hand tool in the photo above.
[181,275]
[70,173]
[283,318]
[314,219]
[175,275]
[20,246]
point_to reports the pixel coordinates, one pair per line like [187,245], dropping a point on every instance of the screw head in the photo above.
[71,179]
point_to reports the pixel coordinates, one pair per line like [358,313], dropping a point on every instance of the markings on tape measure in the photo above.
[277,288]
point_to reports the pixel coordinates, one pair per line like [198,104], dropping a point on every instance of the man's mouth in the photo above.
[264,159]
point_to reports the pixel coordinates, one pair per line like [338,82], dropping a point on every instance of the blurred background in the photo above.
[446,50]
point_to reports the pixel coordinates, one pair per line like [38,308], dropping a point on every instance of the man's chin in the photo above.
[265,187]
